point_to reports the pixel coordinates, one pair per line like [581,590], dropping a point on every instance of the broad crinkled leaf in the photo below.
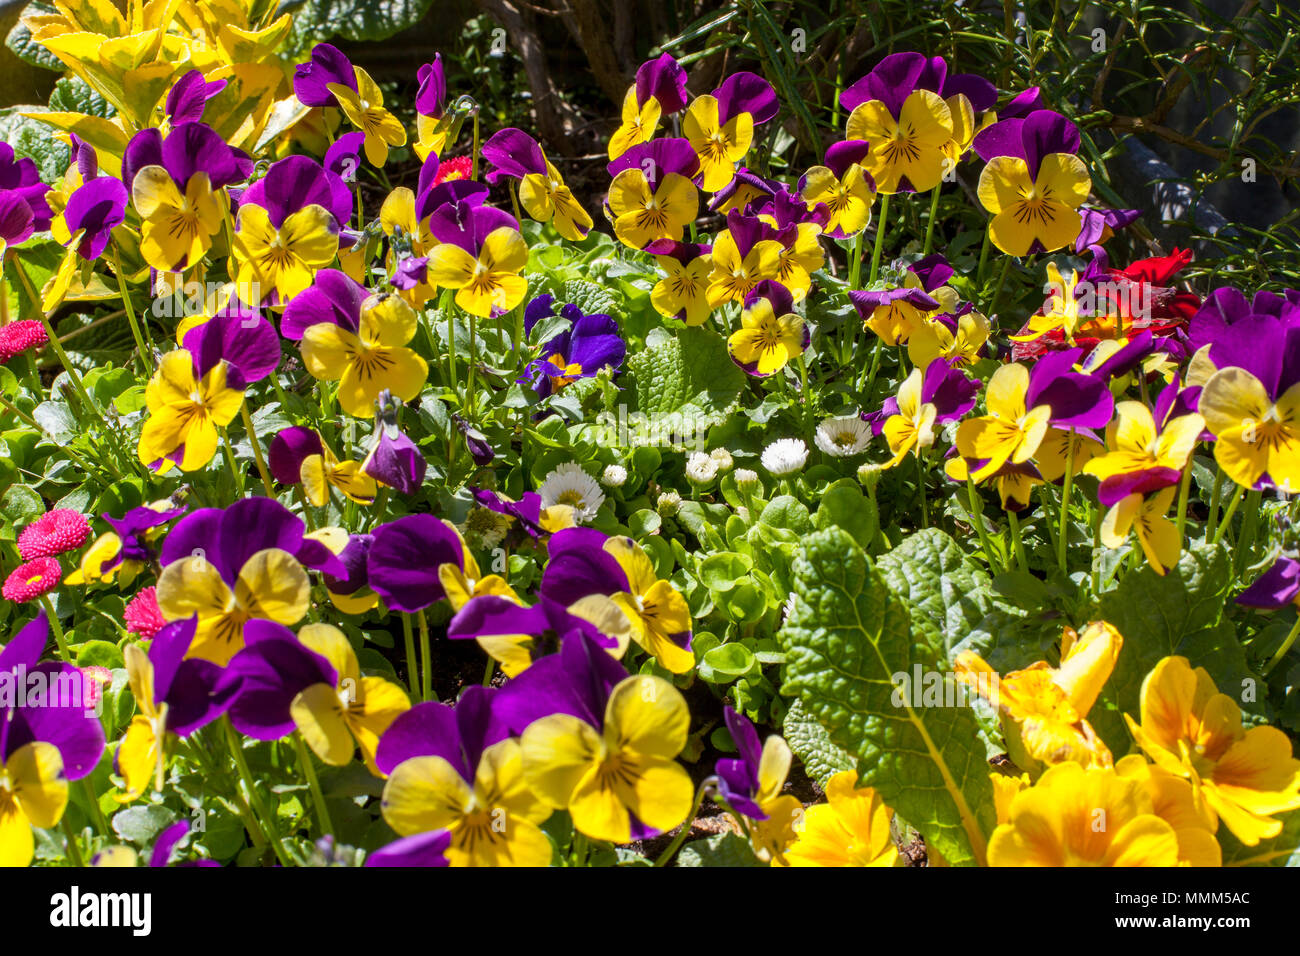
[686,383]
[846,638]
[946,591]
[813,745]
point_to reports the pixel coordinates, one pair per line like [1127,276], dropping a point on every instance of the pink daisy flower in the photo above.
[31,580]
[96,679]
[17,337]
[53,533]
[142,614]
[452,169]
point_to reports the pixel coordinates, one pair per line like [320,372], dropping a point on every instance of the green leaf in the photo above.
[316,20]
[813,745]
[847,638]
[591,298]
[1281,850]
[843,505]
[722,849]
[32,139]
[946,591]
[687,384]
[74,95]
[1180,613]
[99,654]
[721,571]
[139,825]
[25,48]
[731,660]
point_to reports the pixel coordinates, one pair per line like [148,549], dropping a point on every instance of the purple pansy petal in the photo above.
[327,65]
[272,669]
[657,158]
[665,80]
[420,849]
[426,730]
[1275,588]
[343,158]
[982,94]
[333,297]
[241,337]
[512,152]
[431,97]
[295,182]
[404,560]
[25,648]
[397,462]
[95,207]
[289,449]
[1118,487]
[746,93]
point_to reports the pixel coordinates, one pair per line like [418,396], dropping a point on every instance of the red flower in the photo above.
[53,533]
[96,679]
[17,337]
[29,581]
[1150,279]
[451,169]
[142,614]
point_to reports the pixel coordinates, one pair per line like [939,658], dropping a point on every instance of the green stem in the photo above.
[309,771]
[1286,646]
[1014,521]
[257,450]
[473,361]
[1066,488]
[144,354]
[1226,520]
[56,627]
[74,850]
[978,520]
[473,171]
[881,223]
[929,226]
[259,809]
[997,292]
[426,657]
[412,671]
[101,825]
[1214,505]
[1184,488]
[705,785]
[920,489]
[855,265]
[1249,525]
[230,460]
[984,260]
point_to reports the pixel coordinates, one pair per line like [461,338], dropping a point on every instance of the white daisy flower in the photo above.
[701,468]
[785,456]
[746,477]
[843,437]
[484,528]
[570,485]
[722,458]
[668,503]
[615,476]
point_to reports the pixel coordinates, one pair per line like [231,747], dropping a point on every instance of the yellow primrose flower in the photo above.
[364,108]
[177,230]
[33,793]
[910,147]
[547,199]
[931,339]
[718,145]
[282,260]
[356,708]
[1083,816]
[641,217]
[271,585]
[852,828]
[1033,213]
[638,124]
[655,609]
[682,293]
[1009,432]
[369,360]
[913,426]
[493,820]
[490,284]
[1254,435]
[734,275]
[1175,801]
[1135,445]
[1191,730]
[185,413]
[765,341]
[606,777]
[848,198]
[1048,703]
